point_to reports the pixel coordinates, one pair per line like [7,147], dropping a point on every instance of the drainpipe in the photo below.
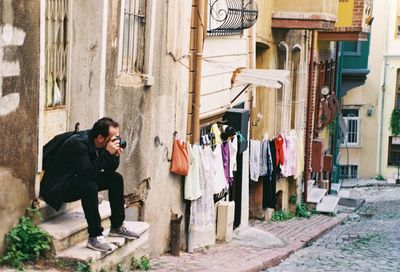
[383,93]
[200,25]
[309,116]
[148,77]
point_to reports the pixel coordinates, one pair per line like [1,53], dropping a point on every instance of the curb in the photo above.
[303,244]
[369,185]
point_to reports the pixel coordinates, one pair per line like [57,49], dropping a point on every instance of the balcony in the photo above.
[305,14]
[354,22]
[355,64]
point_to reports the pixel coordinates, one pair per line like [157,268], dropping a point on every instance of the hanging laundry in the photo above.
[255,148]
[192,180]
[264,158]
[225,161]
[202,211]
[233,148]
[269,181]
[289,167]
[276,169]
[279,146]
[217,133]
[219,175]
[299,155]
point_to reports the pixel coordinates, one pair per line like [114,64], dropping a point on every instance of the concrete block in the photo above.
[226,215]
[316,195]
[328,204]
[351,202]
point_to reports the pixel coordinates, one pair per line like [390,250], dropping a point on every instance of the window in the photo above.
[282,105]
[132,36]
[295,82]
[397,99]
[397,27]
[394,151]
[348,171]
[351,48]
[57,27]
[352,121]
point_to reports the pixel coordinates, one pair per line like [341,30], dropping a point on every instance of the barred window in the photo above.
[397,27]
[348,171]
[394,151]
[352,120]
[397,99]
[132,36]
[57,26]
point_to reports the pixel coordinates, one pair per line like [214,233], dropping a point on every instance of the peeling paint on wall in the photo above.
[9,36]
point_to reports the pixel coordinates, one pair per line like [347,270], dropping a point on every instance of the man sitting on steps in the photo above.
[82,166]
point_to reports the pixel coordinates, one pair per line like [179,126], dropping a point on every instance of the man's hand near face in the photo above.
[113,147]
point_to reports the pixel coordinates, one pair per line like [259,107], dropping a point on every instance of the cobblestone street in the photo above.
[369,240]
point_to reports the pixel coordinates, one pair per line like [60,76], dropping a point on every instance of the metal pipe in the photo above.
[200,25]
[309,117]
[383,93]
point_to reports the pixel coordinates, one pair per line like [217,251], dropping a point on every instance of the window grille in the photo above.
[397,101]
[352,121]
[132,25]
[348,171]
[397,27]
[57,27]
[231,17]
[394,151]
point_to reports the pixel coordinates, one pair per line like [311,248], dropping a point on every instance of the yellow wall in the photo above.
[320,6]
[345,13]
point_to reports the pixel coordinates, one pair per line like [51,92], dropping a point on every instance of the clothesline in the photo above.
[241,138]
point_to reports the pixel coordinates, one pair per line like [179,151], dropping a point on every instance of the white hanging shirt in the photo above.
[233,148]
[192,180]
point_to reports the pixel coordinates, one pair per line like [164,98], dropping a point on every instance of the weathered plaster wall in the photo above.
[19,81]
[86,90]
[147,114]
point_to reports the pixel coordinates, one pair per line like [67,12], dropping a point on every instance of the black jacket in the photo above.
[76,158]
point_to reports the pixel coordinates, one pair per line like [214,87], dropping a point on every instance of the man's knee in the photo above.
[117,177]
[89,186]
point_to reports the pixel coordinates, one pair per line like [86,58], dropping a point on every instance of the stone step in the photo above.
[316,195]
[123,249]
[310,185]
[71,228]
[344,193]
[329,204]
[48,212]
[335,188]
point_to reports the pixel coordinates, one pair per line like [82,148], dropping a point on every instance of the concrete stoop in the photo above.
[123,249]
[69,232]
[318,199]
[328,204]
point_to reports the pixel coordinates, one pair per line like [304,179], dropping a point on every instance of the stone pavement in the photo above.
[351,183]
[252,256]
[367,241]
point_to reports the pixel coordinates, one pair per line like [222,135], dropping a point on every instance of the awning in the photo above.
[269,78]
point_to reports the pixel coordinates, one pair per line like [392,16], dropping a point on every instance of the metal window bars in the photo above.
[133,18]
[56,52]
[231,17]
